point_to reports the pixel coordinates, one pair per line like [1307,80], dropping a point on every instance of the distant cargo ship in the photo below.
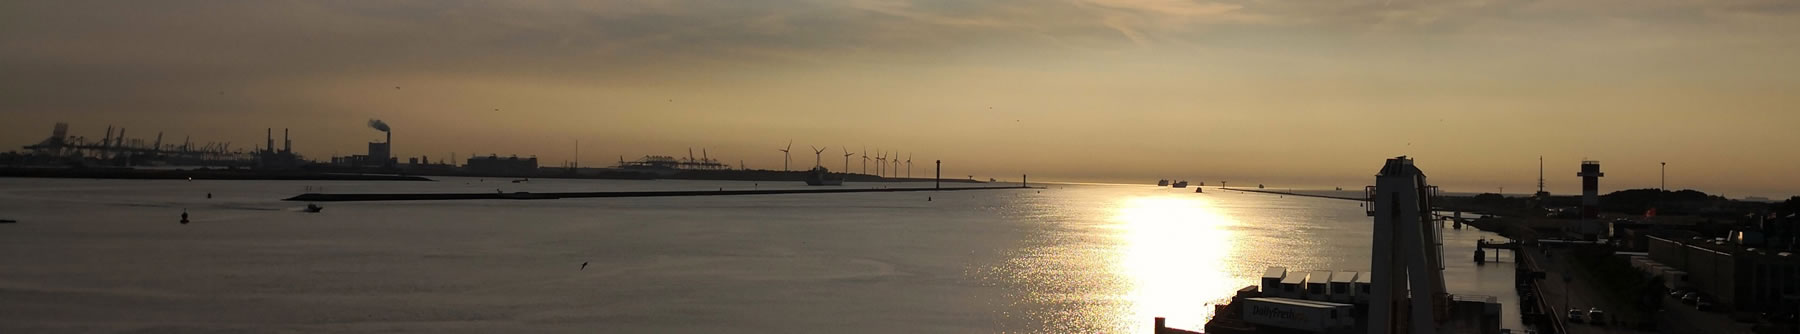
[1162,183]
[819,176]
[1181,184]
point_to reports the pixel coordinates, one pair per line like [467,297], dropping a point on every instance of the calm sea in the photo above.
[110,255]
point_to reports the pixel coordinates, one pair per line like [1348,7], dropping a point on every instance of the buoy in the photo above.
[927,198]
[184,217]
[208,195]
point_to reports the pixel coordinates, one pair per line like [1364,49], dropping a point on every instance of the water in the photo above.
[109,255]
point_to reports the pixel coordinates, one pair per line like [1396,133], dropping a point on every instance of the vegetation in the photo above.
[1666,202]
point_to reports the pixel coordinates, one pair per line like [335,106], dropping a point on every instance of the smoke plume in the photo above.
[379,125]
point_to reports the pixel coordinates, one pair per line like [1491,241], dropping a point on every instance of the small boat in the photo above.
[522,180]
[1259,186]
[819,176]
[7,221]
[1180,184]
[1162,183]
[1199,190]
[314,208]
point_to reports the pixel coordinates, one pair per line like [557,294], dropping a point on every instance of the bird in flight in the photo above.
[584,266]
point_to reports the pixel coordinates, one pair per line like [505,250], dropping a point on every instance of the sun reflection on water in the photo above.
[1174,252]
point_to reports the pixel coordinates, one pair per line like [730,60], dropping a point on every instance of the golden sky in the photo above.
[1281,92]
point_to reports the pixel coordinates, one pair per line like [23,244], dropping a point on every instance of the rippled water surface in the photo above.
[109,255]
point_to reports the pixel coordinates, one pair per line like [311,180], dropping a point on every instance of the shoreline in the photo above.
[318,197]
[195,174]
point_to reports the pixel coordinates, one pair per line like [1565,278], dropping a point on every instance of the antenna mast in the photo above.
[1540,174]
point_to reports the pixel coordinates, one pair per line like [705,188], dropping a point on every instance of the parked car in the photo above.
[1703,304]
[1595,316]
[1677,293]
[1689,298]
[1575,316]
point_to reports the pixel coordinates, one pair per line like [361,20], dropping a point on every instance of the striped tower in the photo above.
[1590,189]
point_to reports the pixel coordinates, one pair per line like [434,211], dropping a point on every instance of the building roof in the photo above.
[1318,277]
[1365,277]
[1300,302]
[1294,279]
[1275,272]
[1343,277]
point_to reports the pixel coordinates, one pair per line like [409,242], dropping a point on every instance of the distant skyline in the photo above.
[1286,93]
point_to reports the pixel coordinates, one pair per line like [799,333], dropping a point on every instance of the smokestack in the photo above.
[269,137]
[287,145]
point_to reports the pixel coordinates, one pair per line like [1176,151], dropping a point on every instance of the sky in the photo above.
[1287,93]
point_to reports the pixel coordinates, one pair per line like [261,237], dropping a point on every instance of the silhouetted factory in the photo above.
[381,154]
[495,165]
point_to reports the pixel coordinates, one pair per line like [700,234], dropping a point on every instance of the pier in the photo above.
[317,197]
[1484,244]
[1273,192]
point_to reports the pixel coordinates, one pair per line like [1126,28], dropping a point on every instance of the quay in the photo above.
[318,197]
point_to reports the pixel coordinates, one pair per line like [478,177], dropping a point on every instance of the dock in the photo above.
[318,197]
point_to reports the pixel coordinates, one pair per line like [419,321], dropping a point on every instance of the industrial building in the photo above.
[1732,272]
[380,154]
[495,165]
[270,158]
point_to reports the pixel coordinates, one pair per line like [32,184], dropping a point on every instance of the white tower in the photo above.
[1408,293]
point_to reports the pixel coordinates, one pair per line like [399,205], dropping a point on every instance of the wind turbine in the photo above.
[909,165]
[847,155]
[896,162]
[785,158]
[880,160]
[816,154]
[865,161]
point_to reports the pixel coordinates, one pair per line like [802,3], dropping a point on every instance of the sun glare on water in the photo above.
[1174,253]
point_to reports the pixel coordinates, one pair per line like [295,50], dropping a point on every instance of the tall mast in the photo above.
[1540,174]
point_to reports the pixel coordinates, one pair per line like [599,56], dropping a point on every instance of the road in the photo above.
[1565,289]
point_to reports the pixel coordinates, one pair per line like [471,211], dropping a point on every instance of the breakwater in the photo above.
[1295,194]
[318,197]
